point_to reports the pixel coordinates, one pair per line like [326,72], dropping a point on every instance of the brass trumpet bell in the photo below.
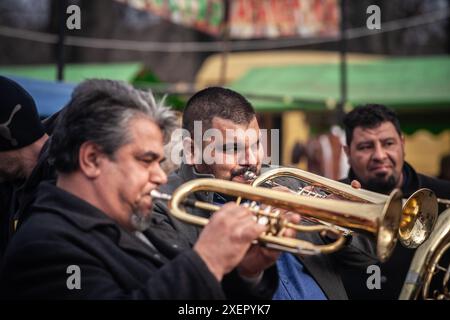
[419,211]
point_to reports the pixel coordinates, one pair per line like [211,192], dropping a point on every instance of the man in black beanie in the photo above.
[22,140]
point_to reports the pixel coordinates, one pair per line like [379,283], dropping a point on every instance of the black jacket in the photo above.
[64,230]
[393,272]
[16,197]
[359,253]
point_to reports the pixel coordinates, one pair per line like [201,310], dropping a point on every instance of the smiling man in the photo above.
[376,154]
[375,148]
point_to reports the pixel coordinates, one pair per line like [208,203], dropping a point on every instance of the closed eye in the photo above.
[149,158]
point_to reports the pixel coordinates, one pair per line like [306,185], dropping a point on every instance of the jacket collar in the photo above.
[86,217]
[53,199]
[410,180]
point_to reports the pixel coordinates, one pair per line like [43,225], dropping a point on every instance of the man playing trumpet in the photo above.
[83,237]
[221,112]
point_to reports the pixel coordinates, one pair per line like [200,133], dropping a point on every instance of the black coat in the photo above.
[17,197]
[323,268]
[393,272]
[63,230]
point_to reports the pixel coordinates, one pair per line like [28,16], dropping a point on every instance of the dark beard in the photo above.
[381,185]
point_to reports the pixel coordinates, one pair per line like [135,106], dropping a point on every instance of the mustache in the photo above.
[375,163]
[241,171]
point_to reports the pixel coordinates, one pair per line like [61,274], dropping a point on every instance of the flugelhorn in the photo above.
[419,211]
[426,265]
[379,220]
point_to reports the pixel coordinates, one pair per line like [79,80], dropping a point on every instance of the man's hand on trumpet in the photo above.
[234,228]
[259,258]
[226,239]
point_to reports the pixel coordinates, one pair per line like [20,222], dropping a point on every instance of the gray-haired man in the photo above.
[107,148]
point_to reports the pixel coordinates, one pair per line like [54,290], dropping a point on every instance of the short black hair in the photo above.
[216,102]
[369,116]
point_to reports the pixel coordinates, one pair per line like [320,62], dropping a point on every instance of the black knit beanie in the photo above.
[20,125]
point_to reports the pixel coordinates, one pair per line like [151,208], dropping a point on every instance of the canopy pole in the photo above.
[343,64]
[61,36]
[225,42]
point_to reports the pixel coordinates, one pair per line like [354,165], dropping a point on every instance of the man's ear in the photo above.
[89,159]
[402,139]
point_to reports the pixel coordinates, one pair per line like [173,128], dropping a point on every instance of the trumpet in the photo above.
[378,220]
[419,211]
[251,176]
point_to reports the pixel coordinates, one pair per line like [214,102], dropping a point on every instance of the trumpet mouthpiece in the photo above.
[155,194]
[249,175]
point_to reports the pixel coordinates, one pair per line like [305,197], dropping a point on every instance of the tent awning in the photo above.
[402,84]
[49,95]
[76,73]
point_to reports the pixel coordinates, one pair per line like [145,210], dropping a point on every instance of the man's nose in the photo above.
[158,176]
[379,152]
[250,157]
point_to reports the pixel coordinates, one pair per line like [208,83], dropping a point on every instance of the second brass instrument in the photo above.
[429,274]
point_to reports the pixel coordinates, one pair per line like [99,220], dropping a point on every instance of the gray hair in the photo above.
[100,111]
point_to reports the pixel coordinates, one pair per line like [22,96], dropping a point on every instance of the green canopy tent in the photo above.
[135,73]
[74,73]
[417,88]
